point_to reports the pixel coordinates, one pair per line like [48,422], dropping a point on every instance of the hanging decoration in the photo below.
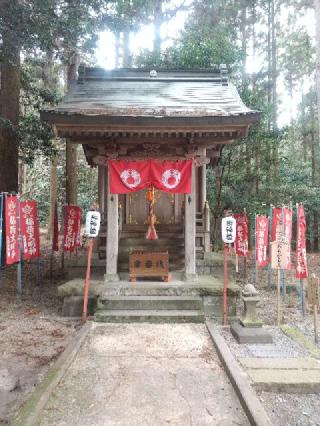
[71,234]
[262,231]
[167,176]
[29,228]
[301,253]
[12,229]
[151,232]
[241,243]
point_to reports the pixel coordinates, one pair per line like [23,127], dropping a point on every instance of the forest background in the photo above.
[42,41]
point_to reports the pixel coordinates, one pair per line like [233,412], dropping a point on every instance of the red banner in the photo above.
[262,232]
[279,231]
[241,243]
[12,229]
[132,176]
[301,252]
[55,239]
[72,222]
[29,230]
[172,176]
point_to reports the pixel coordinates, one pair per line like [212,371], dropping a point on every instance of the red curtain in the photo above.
[167,176]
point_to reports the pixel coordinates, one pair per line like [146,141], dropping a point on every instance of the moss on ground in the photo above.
[302,340]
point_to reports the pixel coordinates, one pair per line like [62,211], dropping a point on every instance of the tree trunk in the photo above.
[71,149]
[9,113]
[244,39]
[126,49]
[316,145]
[157,28]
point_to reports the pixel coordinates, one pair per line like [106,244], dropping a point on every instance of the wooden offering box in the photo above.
[144,264]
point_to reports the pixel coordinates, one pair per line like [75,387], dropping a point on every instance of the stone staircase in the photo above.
[151,309]
[170,238]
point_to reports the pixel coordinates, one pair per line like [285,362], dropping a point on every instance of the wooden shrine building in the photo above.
[133,114]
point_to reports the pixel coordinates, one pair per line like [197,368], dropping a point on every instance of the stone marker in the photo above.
[249,329]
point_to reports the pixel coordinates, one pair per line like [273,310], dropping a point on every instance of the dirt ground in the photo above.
[32,333]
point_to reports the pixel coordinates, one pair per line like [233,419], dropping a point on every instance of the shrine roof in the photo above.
[137,93]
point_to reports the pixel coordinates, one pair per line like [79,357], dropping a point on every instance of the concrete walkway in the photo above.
[145,375]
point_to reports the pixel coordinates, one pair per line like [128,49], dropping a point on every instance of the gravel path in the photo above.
[145,374]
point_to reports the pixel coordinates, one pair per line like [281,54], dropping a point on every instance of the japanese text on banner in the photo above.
[12,230]
[29,229]
[72,225]
[262,232]
[301,253]
[241,243]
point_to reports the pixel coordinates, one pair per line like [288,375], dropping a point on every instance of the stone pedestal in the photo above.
[249,318]
[249,329]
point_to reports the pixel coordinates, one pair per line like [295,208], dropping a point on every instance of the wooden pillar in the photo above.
[190,232]
[71,173]
[112,247]
[204,184]
[102,190]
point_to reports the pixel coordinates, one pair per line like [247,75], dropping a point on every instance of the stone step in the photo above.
[150,302]
[149,316]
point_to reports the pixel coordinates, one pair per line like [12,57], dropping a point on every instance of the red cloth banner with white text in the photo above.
[167,176]
[279,231]
[262,232]
[29,230]
[72,222]
[301,253]
[241,243]
[12,229]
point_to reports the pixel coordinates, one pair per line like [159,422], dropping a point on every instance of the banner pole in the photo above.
[225,284]
[20,250]
[270,231]
[87,282]
[315,319]
[2,195]
[283,285]
[255,251]
[279,299]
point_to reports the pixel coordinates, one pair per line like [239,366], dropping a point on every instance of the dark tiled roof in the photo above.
[133,92]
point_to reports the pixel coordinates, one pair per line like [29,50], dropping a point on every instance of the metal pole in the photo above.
[86,284]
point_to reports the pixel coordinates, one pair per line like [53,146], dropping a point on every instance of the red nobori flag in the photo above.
[128,176]
[280,231]
[301,252]
[172,176]
[262,232]
[241,243]
[71,234]
[29,230]
[12,229]
[55,237]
